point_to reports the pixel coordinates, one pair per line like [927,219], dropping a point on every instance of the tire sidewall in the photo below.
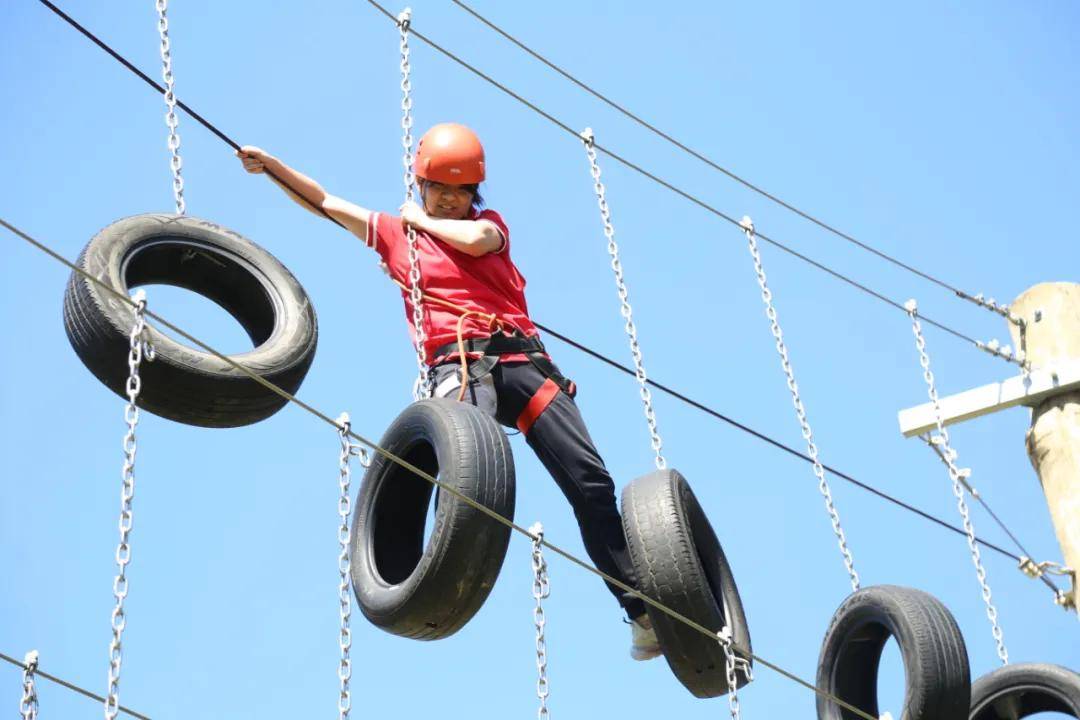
[1059,683]
[295,326]
[697,661]
[462,557]
[873,615]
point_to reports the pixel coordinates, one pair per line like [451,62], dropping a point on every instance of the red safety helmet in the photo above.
[450,153]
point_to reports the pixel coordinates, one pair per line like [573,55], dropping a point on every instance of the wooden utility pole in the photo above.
[1051,312]
[1051,342]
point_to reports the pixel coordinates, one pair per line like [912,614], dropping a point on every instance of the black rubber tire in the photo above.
[429,593]
[936,672]
[1017,691]
[183,383]
[679,563]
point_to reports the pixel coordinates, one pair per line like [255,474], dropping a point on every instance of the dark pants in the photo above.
[562,443]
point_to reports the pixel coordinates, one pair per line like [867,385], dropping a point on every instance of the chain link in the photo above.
[958,477]
[624,298]
[28,707]
[422,386]
[348,450]
[731,662]
[541,591]
[934,442]
[170,103]
[800,411]
[139,347]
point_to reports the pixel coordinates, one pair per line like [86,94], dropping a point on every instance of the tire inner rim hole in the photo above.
[891,679]
[855,673]
[192,266]
[400,515]
[708,548]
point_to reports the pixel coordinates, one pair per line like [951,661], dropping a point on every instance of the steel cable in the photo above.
[711,163]
[663,388]
[673,188]
[71,686]
[428,477]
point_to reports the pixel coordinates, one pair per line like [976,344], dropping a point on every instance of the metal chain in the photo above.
[138,347]
[28,707]
[958,477]
[624,298]
[800,411]
[934,442]
[541,591]
[170,103]
[422,387]
[348,450]
[732,662]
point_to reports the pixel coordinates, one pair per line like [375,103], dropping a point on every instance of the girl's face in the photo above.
[451,202]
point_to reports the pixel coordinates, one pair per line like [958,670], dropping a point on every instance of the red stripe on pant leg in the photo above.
[537,405]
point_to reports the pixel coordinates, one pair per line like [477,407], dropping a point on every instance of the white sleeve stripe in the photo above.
[372,230]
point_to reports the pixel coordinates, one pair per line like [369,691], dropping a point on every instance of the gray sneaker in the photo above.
[645,646]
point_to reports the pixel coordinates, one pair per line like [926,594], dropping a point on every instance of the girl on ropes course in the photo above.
[478,340]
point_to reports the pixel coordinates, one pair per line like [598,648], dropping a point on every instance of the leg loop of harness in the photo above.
[537,405]
[499,344]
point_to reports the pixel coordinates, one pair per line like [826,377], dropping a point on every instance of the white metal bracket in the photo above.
[1029,390]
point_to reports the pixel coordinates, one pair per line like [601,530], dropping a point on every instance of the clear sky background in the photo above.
[942,133]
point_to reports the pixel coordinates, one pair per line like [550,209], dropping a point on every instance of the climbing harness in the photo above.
[541,591]
[800,411]
[421,388]
[491,348]
[170,103]
[463,354]
[348,450]
[958,477]
[627,312]
[28,706]
[139,348]
[498,344]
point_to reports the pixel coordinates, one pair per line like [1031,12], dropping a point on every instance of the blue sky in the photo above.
[944,134]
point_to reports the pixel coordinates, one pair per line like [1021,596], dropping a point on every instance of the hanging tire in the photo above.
[937,677]
[183,383]
[1017,691]
[679,563]
[430,592]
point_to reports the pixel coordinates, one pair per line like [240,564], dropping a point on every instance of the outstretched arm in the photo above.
[305,191]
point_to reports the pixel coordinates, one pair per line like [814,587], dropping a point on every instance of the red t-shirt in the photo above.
[490,284]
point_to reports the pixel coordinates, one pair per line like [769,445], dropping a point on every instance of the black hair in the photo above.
[477,199]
